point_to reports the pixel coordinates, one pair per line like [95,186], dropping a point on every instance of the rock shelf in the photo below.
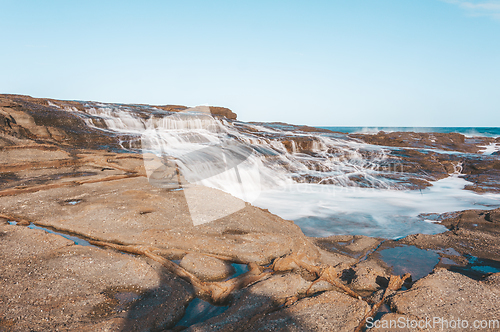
[148,261]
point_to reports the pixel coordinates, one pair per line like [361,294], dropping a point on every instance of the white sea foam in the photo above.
[490,148]
[328,210]
[52,104]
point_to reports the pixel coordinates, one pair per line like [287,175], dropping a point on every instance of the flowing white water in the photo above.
[329,184]
[329,210]
[490,149]
[195,140]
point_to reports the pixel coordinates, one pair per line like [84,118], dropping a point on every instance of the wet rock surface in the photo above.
[28,118]
[428,157]
[444,141]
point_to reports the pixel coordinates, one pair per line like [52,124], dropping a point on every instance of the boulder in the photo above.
[369,275]
[206,268]
[329,311]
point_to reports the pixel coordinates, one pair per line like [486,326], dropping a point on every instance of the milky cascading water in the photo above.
[328,183]
[275,155]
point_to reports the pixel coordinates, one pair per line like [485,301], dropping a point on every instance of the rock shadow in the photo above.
[154,309]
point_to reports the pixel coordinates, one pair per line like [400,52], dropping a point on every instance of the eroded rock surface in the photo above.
[49,284]
[206,267]
[131,211]
[451,296]
[329,311]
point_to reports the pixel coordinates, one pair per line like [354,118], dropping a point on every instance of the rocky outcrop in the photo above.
[214,110]
[302,144]
[141,258]
[28,120]
[425,157]
[353,245]
[49,120]
[483,173]
[259,299]
[472,232]
[223,112]
[443,141]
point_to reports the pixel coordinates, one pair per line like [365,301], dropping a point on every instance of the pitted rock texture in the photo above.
[449,295]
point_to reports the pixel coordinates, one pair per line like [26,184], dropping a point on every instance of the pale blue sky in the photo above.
[331,63]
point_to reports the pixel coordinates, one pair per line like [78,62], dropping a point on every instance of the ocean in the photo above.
[467,131]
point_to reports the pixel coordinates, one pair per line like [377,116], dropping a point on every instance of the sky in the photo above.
[324,63]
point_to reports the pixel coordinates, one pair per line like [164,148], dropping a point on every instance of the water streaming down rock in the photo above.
[241,158]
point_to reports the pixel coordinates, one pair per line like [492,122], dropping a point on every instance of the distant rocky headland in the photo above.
[88,244]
